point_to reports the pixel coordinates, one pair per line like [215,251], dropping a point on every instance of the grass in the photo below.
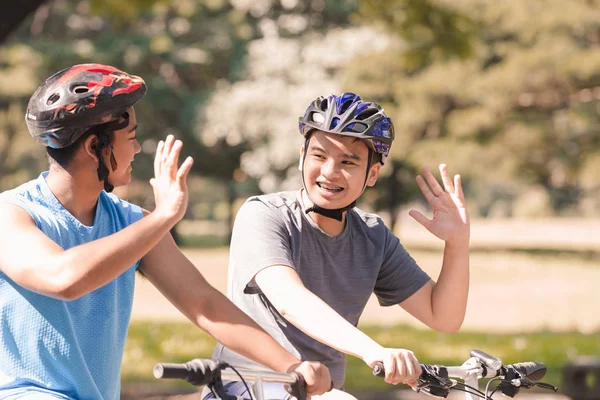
[152,342]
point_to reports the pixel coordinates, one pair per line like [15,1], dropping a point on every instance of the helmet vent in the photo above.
[52,99]
[323,105]
[80,89]
[366,114]
[346,105]
[334,123]
[356,127]
[317,117]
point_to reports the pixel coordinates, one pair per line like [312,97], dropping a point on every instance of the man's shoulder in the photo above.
[276,200]
[279,208]
[369,220]
[122,205]
[27,194]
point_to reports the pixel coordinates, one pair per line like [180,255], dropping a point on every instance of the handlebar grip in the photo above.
[532,370]
[299,387]
[171,371]
[378,369]
[198,372]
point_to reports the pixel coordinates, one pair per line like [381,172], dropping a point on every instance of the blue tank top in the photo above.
[73,348]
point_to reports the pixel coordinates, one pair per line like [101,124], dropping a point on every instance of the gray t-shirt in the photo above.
[342,270]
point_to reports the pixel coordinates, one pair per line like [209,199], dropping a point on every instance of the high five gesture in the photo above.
[450,220]
[169,182]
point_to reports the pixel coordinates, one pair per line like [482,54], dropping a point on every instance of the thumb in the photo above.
[420,218]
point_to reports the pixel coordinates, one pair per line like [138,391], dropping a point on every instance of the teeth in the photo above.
[332,188]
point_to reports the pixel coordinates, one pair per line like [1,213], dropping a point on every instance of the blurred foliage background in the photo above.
[506,93]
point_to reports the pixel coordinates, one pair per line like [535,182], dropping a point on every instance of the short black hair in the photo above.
[64,156]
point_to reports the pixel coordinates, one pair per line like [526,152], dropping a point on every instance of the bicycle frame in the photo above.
[200,372]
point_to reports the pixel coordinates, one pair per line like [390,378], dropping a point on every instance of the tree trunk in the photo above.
[394,190]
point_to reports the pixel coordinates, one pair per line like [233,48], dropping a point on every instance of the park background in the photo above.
[507,93]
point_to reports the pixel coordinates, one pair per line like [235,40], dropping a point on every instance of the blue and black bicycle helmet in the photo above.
[348,115]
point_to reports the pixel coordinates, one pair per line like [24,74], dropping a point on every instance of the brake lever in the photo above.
[548,386]
[433,391]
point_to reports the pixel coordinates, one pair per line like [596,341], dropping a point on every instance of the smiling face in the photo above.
[334,169]
[124,148]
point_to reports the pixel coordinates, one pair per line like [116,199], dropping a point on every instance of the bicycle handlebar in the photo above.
[435,379]
[198,372]
[532,370]
[209,372]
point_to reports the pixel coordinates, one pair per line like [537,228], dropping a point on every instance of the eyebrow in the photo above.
[351,156]
[134,128]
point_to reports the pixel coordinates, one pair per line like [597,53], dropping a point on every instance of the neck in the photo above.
[328,225]
[77,192]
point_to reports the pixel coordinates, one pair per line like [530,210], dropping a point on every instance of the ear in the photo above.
[373,174]
[90,145]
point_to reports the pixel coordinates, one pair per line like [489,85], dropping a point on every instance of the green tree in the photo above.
[518,119]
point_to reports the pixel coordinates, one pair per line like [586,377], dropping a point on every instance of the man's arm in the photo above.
[184,286]
[37,263]
[34,261]
[442,305]
[298,305]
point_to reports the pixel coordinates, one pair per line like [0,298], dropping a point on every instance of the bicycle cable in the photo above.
[487,386]
[469,389]
[464,389]
[243,381]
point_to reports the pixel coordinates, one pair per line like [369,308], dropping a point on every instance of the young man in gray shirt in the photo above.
[303,264]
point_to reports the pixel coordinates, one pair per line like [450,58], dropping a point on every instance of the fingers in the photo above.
[446,179]
[420,218]
[158,158]
[425,189]
[184,170]
[316,376]
[431,187]
[432,182]
[458,186]
[173,158]
[401,366]
[167,158]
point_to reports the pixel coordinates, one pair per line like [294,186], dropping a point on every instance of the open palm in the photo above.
[450,218]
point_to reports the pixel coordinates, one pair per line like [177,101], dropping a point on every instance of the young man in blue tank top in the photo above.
[303,264]
[69,249]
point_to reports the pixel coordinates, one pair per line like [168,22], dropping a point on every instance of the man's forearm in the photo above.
[89,266]
[317,319]
[237,331]
[449,295]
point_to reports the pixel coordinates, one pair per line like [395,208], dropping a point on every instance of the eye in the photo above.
[348,162]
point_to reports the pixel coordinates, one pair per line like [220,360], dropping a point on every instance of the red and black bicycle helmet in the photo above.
[75,99]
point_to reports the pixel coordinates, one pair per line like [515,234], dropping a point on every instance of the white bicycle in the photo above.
[200,372]
[438,380]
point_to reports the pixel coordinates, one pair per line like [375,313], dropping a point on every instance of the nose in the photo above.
[329,169]
[137,147]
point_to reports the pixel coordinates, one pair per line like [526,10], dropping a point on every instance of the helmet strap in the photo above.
[104,139]
[102,169]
